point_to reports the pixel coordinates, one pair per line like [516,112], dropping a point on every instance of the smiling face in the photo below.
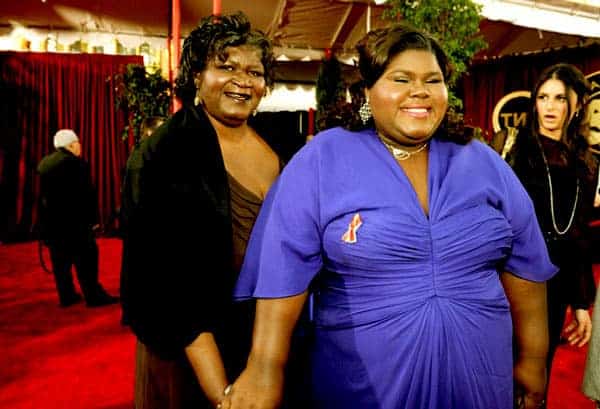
[410,98]
[555,107]
[230,90]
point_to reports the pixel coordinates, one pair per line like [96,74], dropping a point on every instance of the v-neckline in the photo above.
[401,174]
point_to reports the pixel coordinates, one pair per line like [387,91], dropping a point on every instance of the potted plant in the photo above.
[454,23]
[142,95]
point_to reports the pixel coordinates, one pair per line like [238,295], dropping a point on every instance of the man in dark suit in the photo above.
[68,214]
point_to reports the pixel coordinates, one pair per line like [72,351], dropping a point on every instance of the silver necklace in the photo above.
[572,217]
[400,153]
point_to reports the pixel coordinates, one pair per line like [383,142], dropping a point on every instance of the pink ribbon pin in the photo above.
[350,234]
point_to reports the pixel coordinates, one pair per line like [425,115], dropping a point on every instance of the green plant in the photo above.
[454,23]
[141,94]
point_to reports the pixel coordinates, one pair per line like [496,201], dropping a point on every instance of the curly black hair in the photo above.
[210,39]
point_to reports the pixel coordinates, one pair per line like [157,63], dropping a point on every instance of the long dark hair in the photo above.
[377,48]
[211,39]
[573,80]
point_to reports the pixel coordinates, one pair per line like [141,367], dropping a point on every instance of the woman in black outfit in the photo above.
[552,161]
[202,177]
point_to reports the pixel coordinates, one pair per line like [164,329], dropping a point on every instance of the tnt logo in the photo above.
[511,111]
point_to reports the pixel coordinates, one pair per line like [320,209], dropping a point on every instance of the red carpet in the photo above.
[55,358]
[82,358]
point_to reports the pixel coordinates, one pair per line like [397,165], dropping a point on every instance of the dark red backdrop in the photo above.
[39,94]
[488,81]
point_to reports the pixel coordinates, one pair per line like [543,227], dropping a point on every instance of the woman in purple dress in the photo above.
[418,247]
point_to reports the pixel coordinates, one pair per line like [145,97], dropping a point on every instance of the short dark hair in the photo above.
[379,47]
[210,39]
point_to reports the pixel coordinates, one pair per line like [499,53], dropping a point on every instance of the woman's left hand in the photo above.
[258,387]
[579,330]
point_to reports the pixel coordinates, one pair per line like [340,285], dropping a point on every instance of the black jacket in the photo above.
[68,201]
[571,252]
[178,258]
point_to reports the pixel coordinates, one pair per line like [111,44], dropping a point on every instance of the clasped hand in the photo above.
[530,379]
[258,387]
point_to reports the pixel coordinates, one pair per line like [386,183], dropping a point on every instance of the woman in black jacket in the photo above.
[552,161]
[203,176]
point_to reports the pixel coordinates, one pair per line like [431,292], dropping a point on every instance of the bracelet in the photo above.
[540,405]
[227,389]
[226,392]
[520,402]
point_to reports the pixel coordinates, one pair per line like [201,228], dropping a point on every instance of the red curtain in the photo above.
[44,92]
[488,81]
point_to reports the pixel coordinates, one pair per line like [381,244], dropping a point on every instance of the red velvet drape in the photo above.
[487,82]
[44,92]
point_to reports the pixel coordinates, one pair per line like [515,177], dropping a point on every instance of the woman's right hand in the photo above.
[258,387]
[530,377]
[579,331]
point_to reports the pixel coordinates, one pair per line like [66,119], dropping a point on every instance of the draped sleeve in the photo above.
[284,251]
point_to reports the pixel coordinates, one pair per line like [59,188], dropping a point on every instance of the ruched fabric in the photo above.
[412,314]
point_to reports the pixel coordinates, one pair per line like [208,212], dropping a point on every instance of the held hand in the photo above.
[258,387]
[225,402]
[530,378]
[533,402]
[579,330]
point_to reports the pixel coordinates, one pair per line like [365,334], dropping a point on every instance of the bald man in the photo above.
[68,212]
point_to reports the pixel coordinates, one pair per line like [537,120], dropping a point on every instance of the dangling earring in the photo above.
[197,84]
[254,112]
[365,112]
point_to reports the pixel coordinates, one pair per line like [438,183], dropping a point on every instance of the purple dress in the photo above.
[409,309]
